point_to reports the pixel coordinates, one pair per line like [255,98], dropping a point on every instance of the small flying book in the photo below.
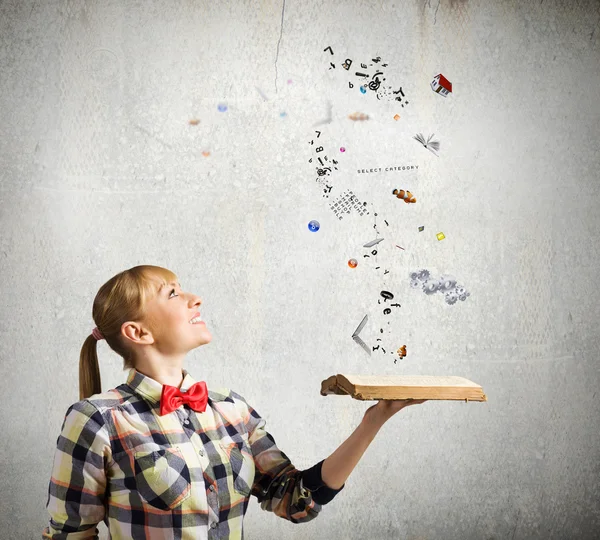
[373,387]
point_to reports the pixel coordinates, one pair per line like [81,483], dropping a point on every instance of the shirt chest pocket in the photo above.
[239,454]
[162,477]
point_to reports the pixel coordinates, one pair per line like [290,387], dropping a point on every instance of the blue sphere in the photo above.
[363,89]
[222,107]
[313,226]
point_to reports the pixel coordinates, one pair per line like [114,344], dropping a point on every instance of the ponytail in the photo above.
[89,371]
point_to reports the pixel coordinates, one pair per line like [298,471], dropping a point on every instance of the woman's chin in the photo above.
[207,337]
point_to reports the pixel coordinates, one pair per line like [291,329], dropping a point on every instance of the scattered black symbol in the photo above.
[374,85]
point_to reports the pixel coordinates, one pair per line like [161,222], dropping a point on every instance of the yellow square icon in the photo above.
[397,117]
[440,236]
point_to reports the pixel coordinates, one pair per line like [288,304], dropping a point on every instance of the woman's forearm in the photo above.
[338,466]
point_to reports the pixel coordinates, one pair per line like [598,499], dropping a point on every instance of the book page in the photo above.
[409,380]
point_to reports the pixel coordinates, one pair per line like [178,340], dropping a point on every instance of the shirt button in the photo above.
[186,421]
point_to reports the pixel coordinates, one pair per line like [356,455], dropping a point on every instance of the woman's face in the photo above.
[168,317]
[173,311]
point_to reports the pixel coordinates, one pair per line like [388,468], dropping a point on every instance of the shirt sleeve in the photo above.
[279,487]
[78,482]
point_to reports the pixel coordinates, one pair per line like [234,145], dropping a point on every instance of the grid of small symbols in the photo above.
[347,202]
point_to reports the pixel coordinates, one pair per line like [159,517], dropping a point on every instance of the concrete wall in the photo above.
[101,170]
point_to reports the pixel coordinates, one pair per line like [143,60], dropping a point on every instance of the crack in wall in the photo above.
[280,33]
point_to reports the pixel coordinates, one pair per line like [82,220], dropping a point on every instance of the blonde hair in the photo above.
[122,298]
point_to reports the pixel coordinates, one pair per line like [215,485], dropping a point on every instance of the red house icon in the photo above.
[441,85]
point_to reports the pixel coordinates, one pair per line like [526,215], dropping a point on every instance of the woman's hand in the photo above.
[384,409]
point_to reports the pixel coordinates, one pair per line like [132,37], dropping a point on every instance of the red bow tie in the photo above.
[172,398]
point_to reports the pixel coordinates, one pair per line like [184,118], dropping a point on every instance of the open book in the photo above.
[370,387]
[429,144]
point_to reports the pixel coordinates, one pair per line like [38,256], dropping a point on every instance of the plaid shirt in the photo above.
[183,475]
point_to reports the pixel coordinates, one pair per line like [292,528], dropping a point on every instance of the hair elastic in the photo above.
[97,334]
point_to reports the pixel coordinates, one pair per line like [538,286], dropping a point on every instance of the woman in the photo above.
[161,456]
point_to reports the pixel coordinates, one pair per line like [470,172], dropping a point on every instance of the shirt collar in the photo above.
[151,390]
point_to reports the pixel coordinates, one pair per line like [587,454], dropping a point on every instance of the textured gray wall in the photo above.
[101,171]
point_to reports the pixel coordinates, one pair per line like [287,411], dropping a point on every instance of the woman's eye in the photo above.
[172,293]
